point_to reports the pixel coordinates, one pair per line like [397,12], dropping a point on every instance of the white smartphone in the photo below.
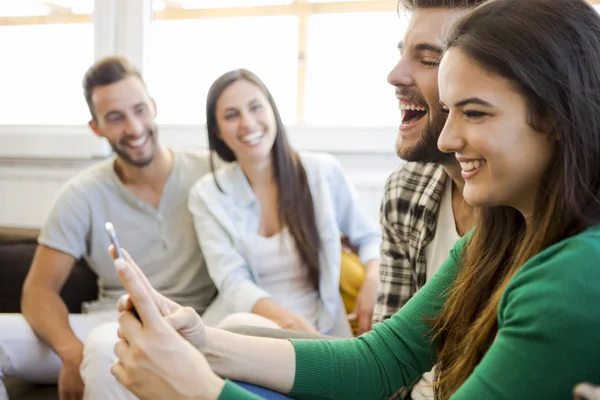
[112,236]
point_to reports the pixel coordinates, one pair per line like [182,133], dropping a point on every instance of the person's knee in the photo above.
[98,352]
[247,319]
[16,341]
[98,356]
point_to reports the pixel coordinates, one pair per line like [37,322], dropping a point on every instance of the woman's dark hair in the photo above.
[411,5]
[549,50]
[296,209]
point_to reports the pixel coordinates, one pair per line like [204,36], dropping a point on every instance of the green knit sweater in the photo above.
[548,338]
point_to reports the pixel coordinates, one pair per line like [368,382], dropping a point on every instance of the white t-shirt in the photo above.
[445,235]
[436,254]
[283,275]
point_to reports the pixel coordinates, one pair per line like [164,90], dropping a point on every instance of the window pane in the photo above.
[188,55]
[159,5]
[55,8]
[45,52]
[347,68]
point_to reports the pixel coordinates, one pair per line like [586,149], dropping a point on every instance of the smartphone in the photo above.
[112,236]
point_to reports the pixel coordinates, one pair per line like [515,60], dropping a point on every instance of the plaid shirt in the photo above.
[409,212]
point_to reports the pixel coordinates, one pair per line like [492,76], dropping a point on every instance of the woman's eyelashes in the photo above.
[253,108]
[474,114]
[470,114]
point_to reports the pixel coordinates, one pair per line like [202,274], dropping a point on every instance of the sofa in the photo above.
[15,259]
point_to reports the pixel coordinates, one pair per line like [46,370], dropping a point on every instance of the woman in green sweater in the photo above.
[514,313]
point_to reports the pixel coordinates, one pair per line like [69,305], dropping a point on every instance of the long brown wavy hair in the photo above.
[296,209]
[550,51]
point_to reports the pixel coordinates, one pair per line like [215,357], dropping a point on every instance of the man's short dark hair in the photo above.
[104,72]
[411,5]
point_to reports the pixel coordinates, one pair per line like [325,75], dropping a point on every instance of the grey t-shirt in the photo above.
[162,241]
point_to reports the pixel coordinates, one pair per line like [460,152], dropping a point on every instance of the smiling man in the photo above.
[423,212]
[143,191]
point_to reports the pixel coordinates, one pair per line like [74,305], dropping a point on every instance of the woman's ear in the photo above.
[547,125]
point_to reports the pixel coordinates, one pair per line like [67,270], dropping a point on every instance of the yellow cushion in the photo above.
[352,276]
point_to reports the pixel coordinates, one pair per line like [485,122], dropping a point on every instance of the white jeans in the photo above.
[23,355]
[98,356]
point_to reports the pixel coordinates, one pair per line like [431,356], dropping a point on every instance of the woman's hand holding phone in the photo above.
[116,252]
[154,361]
[184,320]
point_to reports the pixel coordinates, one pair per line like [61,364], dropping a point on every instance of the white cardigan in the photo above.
[222,219]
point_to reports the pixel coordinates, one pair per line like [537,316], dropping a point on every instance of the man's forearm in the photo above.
[48,316]
[266,362]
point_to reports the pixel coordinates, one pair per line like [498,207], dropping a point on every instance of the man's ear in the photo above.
[155,109]
[93,124]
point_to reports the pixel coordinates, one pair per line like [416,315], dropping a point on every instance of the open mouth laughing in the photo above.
[139,142]
[412,112]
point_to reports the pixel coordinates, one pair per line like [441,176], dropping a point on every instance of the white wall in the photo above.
[34,166]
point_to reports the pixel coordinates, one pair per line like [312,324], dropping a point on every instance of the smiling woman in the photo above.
[529,151]
[270,223]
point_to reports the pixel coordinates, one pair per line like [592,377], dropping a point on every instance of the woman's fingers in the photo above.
[142,298]
[121,349]
[124,303]
[118,371]
[138,272]
[129,326]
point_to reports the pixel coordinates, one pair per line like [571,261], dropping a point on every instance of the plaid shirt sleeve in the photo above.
[396,282]
[405,231]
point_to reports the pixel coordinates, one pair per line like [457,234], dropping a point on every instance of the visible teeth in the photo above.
[472,165]
[412,107]
[138,142]
[253,137]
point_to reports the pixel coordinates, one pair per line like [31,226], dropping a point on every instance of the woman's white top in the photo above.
[224,220]
[283,275]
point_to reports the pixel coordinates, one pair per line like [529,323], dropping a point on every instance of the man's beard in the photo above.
[120,150]
[426,149]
